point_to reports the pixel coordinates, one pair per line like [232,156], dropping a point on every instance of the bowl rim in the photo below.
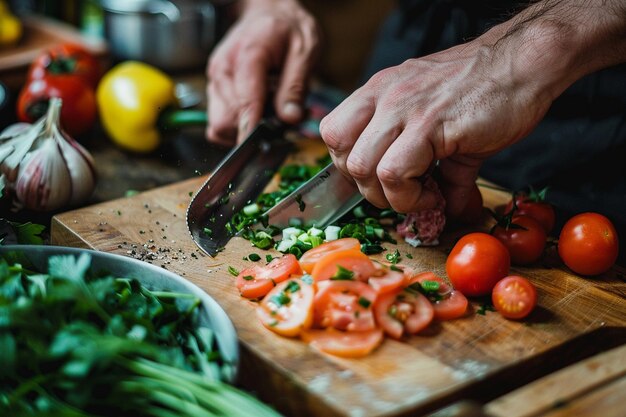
[216,318]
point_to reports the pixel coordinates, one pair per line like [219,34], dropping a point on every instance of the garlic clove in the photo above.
[20,138]
[44,182]
[80,165]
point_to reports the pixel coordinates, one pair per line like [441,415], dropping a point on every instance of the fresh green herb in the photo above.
[281,299]
[342,274]
[394,257]
[364,302]
[233,271]
[292,287]
[69,332]
[254,257]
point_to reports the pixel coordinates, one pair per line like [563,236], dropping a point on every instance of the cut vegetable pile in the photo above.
[343,303]
[77,344]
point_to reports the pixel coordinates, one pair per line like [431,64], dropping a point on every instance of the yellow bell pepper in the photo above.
[10,27]
[136,101]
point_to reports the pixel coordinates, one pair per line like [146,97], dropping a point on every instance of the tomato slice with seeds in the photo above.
[344,305]
[449,304]
[258,280]
[310,257]
[344,344]
[288,308]
[352,260]
[514,297]
[386,279]
[402,312]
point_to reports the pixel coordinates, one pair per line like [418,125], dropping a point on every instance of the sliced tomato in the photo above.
[386,279]
[448,303]
[514,297]
[310,257]
[353,260]
[344,305]
[258,280]
[402,312]
[288,308]
[344,344]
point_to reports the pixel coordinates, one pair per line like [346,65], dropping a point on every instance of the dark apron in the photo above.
[578,149]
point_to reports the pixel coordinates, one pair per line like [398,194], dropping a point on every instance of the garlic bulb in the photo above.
[46,168]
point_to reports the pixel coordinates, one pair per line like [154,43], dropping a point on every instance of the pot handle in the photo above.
[166,8]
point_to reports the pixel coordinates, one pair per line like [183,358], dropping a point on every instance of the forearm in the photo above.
[553,43]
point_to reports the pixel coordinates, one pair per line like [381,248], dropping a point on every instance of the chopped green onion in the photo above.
[342,274]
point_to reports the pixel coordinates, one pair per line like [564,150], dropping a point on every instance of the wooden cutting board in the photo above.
[478,357]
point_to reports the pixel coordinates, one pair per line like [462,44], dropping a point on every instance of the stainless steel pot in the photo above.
[169,34]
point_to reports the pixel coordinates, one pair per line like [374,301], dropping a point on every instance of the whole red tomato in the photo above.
[67,58]
[588,244]
[79,110]
[524,237]
[476,263]
[534,206]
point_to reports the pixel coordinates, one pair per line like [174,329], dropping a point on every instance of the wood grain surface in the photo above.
[478,357]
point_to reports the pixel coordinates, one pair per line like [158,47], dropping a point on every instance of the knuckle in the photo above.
[358,167]
[389,177]
[330,134]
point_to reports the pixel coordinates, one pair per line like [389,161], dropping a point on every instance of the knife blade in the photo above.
[319,202]
[241,176]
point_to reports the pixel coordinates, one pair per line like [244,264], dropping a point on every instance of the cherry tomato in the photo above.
[355,261]
[534,207]
[79,110]
[525,238]
[67,58]
[514,297]
[344,344]
[310,257]
[401,311]
[288,308]
[344,305]
[258,280]
[476,263]
[449,304]
[588,244]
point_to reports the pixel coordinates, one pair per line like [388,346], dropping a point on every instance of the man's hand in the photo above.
[460,106]
[270,37]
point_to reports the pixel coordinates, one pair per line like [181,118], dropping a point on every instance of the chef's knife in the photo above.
[237,180]
[319,202]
